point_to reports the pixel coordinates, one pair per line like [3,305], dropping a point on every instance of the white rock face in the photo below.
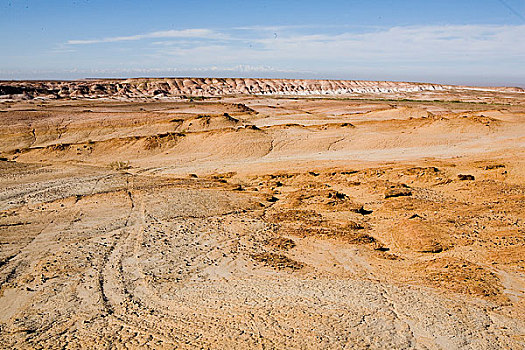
[142,87]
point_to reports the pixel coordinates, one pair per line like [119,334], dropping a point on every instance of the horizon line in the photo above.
[495,85]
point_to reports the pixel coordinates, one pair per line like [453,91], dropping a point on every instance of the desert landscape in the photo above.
[261,214]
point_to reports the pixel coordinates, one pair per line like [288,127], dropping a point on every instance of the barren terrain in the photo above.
[273,214]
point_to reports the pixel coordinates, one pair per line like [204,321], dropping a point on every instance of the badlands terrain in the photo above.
[261,214]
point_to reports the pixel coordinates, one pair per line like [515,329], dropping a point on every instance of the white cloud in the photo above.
[421,43]
[185,33]
[460,46]
[414,52]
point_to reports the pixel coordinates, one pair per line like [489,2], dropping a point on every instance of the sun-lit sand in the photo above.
[252,213]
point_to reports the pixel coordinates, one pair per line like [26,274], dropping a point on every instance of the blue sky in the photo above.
[462,41]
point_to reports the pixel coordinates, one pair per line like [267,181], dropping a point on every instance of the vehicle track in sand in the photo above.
[284,237]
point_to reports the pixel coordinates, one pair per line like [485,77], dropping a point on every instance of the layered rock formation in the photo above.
[142,87]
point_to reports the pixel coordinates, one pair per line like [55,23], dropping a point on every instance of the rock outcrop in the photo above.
[163,87]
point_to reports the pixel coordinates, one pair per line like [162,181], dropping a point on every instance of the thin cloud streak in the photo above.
[185,33]
[423,44]
[401,51]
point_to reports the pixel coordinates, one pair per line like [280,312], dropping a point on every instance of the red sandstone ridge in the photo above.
[165,87]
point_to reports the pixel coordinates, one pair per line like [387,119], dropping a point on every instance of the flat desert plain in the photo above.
[373,220]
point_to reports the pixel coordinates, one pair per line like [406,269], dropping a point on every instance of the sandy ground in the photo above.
[263,222]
